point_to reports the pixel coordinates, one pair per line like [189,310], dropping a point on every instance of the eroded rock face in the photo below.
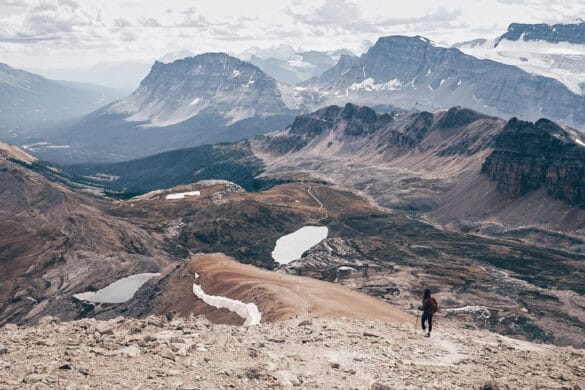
[411,72]
[572,33]
[529,156]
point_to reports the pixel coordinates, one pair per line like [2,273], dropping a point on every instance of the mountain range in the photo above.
[555,51]
[214,97]
[31,104]
[296,67]
[470,196]
[414,73]
[198,100]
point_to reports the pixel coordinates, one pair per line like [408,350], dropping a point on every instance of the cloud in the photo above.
[150,22]
[193,19]
[347,16]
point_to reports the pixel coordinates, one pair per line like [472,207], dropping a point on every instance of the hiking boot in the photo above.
[428,334]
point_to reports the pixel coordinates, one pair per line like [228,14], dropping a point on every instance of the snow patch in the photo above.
[120,291]
[292,246]
[369,85]
[247,311]
[579,142]
[182,195]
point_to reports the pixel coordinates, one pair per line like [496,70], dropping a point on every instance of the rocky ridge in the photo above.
[414,73]
[528,156]
[191,353]
[571,33]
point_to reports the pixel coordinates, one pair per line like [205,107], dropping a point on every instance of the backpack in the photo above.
[434,305]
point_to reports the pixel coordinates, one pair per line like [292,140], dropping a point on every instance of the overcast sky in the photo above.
[76,33]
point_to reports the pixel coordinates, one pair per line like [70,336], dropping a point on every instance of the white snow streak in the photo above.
[182,195]
[247,311]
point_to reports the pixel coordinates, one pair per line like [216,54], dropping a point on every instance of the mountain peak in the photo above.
[570,33]
[223,87]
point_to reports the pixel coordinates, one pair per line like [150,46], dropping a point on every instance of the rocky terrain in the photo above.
[192,353]
[402,195]
[528,156]
[414,73]
[455,167]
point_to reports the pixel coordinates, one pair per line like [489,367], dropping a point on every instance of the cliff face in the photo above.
[572,33]
[528,156]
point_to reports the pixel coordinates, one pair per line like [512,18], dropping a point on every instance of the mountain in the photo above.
[408,199]
[30,103]
[123,77]
[456,167]
[299,66]
[570,33]
[556,51]
[204,99]
[411,72]
[54,241]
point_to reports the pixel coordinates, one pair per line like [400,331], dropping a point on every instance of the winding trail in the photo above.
[321,206]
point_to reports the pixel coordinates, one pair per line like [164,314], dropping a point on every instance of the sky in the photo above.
[60,34]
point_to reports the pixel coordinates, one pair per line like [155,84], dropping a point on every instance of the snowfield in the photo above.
[292,246]
[182,195]
[563,61]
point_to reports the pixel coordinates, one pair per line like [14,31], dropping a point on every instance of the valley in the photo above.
[271,218]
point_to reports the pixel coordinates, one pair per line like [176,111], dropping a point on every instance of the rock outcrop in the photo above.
[528,156]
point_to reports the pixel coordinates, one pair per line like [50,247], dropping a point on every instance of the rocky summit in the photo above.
[304,353]
[415,73]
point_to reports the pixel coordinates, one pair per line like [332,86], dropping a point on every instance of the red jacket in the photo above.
[429,305]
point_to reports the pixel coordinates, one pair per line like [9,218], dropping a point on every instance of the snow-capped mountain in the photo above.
[31,102]
[213,83]
[412,72]
[556,51]
[205,99]
[298,66]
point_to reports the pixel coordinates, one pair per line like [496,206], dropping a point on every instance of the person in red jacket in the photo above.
[429,307]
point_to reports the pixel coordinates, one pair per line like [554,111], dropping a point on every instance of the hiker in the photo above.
[429,307]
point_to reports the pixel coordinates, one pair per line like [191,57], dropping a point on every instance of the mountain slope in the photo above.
[204,99]
[30,102]
[556,51]
[433,163]
[54,242]
[411,72]
[299,66]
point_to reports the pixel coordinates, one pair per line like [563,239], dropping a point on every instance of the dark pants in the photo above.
[427,317]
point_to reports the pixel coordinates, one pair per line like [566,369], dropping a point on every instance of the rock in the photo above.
[380,386]
[287,379]
[104,328]
[65,366]
[48,320]
[131,351]
[305,323]
[11,327]
[334,365]
[3,351]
